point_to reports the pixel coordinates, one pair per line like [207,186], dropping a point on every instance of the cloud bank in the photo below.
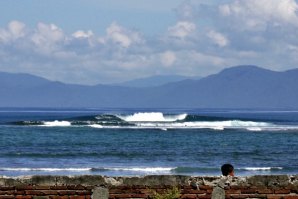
[204,39]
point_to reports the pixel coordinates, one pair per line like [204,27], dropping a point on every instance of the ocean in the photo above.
[134,142]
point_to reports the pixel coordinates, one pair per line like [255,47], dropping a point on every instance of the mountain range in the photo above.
[248,87]
[157,80]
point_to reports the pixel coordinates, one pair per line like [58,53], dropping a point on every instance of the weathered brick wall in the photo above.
[100,187]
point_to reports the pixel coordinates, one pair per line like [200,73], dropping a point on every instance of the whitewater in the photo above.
[158,120]
[134,142]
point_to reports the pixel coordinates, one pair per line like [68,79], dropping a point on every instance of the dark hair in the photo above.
[226,169]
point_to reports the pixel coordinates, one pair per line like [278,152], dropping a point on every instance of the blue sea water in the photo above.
[130,142]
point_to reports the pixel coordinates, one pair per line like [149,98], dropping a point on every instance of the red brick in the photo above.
[20,192]
[59,197]
[248,191]
[75,187]
[192,191]
[49,192]
[237,187]
[238,196]
[6,188]
[54,197]
[187,187]
[233,191]
[264,191]
[257,195]
[189,196]
[204,196]
[205,187]
[145,191]
[291,197]
[123,187]
[34,192]
[6,197]
[82,193]
[282,191]
[42,187]
[58,187]
[76,197]
[138,196]
[274,196]
[114,191]
[136,190]
[24,187]
[23,197]
[292,187]
[67,192]
[121,195]
[88,197]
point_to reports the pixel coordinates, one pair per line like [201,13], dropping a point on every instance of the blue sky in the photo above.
[97,41]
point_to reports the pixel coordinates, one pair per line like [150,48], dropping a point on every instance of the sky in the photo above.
[110,41]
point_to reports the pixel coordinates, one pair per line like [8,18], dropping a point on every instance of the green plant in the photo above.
[173,193]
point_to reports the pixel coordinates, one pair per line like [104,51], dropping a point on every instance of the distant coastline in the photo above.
[240,87]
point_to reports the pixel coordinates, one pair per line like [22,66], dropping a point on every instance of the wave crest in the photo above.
[152,117]
[56,123]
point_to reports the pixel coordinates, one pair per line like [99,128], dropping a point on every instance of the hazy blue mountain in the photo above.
[20,80]
[240,87]
[236,87]
[157,80]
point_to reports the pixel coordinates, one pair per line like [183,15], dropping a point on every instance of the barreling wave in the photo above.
[158,120]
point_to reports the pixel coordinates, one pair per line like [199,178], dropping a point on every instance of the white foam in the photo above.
[56,123]
[262,168]
[152,117]
[216,125]
[46,169]
[96,126]
[254,129]
[145,169]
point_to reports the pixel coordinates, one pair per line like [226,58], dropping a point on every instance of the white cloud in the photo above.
[218,38]
[47,37]
[239,32]
[168,58]
[122,36]
[15,30]
[182,29]
[257,14]
[185,11]
[83,34]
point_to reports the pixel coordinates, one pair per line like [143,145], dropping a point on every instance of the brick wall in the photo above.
[100,187]
[45,192]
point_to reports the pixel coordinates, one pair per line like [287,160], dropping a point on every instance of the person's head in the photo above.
[227,169]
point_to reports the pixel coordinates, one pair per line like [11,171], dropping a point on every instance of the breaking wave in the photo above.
[158,120]
[152,117]
[262,168]
[46,169]
[56,123]
[140,170]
